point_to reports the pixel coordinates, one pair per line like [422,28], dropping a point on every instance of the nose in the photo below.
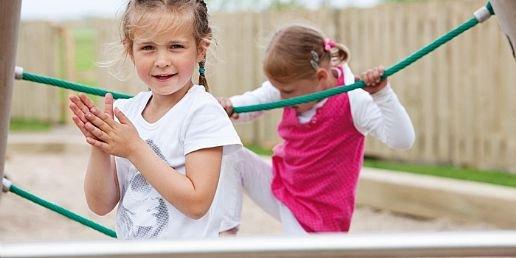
[162,59]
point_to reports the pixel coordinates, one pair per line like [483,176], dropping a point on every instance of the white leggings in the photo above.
[244,170]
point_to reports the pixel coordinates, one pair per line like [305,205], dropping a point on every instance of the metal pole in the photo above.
[423,244]
[9,21]
[505,11]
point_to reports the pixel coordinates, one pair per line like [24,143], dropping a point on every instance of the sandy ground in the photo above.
[58,177]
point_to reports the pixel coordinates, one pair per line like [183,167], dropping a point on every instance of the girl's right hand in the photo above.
[228,107]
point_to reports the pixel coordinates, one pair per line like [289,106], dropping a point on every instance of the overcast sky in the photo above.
[75,9]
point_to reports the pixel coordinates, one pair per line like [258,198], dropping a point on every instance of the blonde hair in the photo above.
[139,15]
[290,54]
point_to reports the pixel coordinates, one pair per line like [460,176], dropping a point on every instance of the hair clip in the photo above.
[329,44]
[315,59]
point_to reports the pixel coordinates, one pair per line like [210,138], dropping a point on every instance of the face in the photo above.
[165,62]
[302,87]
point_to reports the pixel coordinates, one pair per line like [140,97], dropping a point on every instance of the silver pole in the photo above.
[423,244]
[9,21]
[505,11]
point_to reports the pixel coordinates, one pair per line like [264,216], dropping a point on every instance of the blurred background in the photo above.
[460,99]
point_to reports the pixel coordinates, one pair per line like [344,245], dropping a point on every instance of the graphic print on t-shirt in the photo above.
[143,212]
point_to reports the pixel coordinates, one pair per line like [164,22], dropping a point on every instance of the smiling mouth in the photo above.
[164,77]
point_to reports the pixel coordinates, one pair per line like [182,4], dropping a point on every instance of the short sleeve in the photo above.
[207,126]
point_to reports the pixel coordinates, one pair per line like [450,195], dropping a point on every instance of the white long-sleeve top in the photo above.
[380,114]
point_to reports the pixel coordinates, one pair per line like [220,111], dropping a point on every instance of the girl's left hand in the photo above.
[373,79]
[118,139]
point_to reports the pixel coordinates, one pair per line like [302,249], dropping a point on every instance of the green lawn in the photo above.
[21,125]
[483,176]
[85,49]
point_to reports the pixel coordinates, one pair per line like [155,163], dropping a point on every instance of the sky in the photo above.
[76,9]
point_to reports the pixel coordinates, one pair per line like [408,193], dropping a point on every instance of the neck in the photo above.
[162,103]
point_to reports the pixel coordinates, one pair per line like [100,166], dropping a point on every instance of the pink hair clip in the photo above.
[329,44]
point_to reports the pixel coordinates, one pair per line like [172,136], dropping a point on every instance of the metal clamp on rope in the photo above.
[6,185]
[484,13]
[18,73]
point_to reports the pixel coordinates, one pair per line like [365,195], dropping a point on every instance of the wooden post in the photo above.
[505,11]
[9,21]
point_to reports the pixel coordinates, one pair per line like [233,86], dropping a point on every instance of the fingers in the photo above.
[100,120]
[96,132]
[121,117]
[96,143]
[77,112]
[227,105]
[86,101]
[81,127]
[373,76]
[108,104]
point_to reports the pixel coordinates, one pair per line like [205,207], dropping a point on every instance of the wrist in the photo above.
[382,92]
[135,149]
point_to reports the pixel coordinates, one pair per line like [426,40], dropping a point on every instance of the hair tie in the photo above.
[202,70]
[329,44]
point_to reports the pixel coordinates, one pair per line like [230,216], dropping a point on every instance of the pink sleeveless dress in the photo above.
[316,168]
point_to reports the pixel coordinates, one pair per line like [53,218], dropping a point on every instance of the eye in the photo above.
[176,46]
[147,48]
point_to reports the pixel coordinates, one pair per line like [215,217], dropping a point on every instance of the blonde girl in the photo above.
[159,161]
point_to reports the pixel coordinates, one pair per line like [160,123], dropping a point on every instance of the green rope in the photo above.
[22,193]
[292,101]
[71,86]
[360,84]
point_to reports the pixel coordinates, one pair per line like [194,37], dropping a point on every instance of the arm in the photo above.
[264,94]
[192,193]
[100,183]
[382,115]
[377,110]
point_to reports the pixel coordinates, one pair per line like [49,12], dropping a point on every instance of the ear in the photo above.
[322,75]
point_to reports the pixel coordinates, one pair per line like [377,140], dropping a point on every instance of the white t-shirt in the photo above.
[196,122]
[380,114]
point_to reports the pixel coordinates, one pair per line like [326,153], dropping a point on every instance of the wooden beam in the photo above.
[9,21]
[505,11]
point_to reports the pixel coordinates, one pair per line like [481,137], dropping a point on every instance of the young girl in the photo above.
[310,185]
[160,163]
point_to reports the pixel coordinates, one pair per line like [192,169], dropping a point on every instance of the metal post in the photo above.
[9,21]
[505,11]
[423,244]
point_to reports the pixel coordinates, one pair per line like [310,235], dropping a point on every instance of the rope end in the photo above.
[490,8]
[18,73]
[484,13]
[6,185]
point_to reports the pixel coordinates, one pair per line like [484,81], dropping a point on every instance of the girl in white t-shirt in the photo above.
[160,162]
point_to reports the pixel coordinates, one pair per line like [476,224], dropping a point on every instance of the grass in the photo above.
[23,125]
[85,49]
[483,176]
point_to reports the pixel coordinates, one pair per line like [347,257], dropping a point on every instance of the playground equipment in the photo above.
[9,22]
[506,12]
